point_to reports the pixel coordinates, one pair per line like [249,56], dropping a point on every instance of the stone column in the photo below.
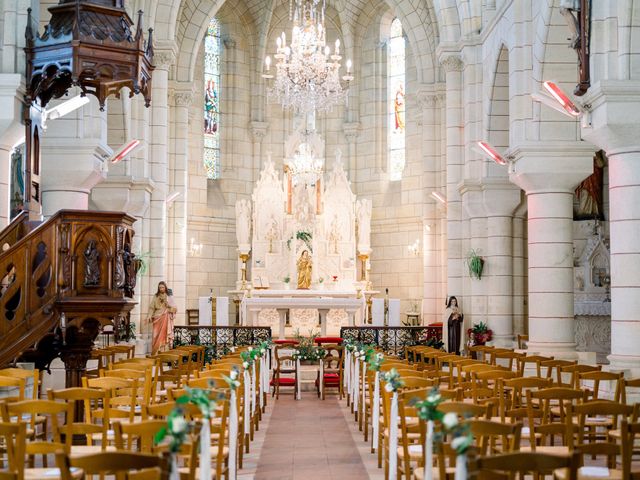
[616,128]
[158,165]
[183,98]
[11,131]
[475,299]
[452,65]
[429,103]
[351,131]
[74,150]
[258,131]
[549,173]
[500,200]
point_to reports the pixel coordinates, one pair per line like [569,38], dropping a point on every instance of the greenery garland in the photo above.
[303,235]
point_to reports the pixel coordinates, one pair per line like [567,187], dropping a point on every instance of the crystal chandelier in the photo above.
[303,166]
[307,74]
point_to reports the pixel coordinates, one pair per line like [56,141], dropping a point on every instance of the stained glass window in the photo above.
[395,100]
[212,52]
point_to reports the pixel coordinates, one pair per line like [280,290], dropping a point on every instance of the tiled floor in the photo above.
[307,439]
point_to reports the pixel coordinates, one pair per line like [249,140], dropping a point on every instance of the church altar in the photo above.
[326,311]
[308,232]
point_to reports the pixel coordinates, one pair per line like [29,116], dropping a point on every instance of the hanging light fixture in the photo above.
[307,75]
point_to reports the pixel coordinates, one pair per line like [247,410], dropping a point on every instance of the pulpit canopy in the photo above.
[90,44]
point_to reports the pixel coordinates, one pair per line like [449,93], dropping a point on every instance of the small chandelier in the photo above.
[303,166]
[307,74]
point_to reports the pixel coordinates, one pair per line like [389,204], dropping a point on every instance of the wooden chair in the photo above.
[553,407]
[508,356]
[629,432]
[495,437]
[25,375]
[553,367]
[83,403]
[625,386]
[41,446]
[138,436]
[466,410]
[285,365]
[13,436]
[522,341]
[120,464]
[411,433]
[574,371]
[500,466]
[122,397]
[332,368]
[536,360]
[16,383]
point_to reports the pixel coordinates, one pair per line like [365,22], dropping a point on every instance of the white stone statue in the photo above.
[363,214]
[243,225]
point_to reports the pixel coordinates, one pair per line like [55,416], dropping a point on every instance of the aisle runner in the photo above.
[309,439]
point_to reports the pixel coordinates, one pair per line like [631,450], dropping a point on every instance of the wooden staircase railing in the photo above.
[60,282]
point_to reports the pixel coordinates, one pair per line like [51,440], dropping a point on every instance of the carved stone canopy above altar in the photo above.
[289,218]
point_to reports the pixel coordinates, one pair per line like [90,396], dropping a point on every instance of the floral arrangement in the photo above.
[306,349]
[480,333]
[251,354]
[177,427]
[428,408]
[460,432]
[424,339]
[232,379]
[286,279]
[374,359]
[393,381]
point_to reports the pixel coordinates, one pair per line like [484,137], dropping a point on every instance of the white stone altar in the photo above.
[317,310]
[289,216]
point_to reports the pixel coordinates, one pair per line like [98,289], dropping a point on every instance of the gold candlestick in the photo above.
[243,258]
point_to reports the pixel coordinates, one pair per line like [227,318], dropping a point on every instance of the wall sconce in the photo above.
[437,196]
[414,248]
[195,249]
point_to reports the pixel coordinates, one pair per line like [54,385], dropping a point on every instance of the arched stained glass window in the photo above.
[212,53]
[395,100]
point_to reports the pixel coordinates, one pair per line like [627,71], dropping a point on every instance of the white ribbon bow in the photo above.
[253,389]
[321,380]
[356,385]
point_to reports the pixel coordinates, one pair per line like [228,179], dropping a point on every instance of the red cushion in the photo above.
[284,381]
[437,324]
[286,342]
[321,340]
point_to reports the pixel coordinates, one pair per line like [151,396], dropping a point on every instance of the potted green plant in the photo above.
[286,281]
[475,263]
[126,332]
[321,283]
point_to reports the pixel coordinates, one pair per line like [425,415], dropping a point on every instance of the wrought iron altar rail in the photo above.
[219,340]
[392,340]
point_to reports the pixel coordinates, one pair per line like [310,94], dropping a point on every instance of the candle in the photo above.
[267,62]
[338,46]
[348,66]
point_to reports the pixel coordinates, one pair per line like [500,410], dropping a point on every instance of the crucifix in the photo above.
[577,13]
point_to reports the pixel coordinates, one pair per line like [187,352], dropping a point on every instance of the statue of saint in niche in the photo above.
[91,265]
[304,271]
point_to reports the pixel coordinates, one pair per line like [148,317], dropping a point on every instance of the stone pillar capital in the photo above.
[258,130]
[551,166]
[163,59]
[183,98]
[429,96]
[451,63]
[500,197]
[351,131]
[471,194]
[614,109]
